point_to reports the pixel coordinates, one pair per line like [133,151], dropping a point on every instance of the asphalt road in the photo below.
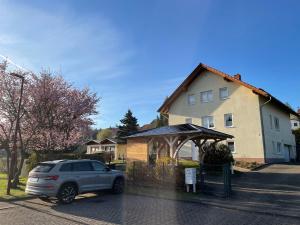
[130,209]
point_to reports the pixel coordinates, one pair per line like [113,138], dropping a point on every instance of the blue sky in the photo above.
[135,53]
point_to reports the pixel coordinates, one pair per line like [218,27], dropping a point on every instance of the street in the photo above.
[130,209]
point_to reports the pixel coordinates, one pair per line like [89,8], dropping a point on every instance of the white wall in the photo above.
[283,135]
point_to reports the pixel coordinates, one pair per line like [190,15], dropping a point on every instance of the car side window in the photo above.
[98,166]
[82,166]
[66,167]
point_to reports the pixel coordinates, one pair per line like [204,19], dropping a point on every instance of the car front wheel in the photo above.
[118,186]
[67,193]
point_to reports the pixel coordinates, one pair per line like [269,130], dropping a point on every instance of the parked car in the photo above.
[64,179]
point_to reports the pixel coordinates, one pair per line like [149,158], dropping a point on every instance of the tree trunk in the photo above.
[18,173]
[7,161]
[12,169]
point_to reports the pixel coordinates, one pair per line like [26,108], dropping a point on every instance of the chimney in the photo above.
[238,76]
[298,111]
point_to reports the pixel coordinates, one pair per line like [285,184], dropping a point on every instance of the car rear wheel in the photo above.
[118,186]
[67,193]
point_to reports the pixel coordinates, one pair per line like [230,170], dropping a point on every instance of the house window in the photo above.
[276,123]
[206,96]
[188,120]
[228,119]
[296,124]
[271,121]
[208,121]
[224,93]
[231,146]
[191,99]
[278,148]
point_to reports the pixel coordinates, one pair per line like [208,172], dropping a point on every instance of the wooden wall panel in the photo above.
[137,149]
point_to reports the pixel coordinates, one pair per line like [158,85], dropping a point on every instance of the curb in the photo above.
[16,199]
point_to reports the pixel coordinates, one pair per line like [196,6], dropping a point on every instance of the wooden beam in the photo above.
[181,144]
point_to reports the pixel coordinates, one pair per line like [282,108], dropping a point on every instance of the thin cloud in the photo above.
[37,38]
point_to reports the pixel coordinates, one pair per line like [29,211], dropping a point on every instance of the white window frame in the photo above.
[206,93]
[189,99]
[276,119]
[234,149]
[203,118]
[220,91]
[279,144]
[231,119]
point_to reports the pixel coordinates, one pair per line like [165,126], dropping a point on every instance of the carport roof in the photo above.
[180,130]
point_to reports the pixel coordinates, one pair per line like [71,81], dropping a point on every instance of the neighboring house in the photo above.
[259,122]
[93,147]
[295,121]
[108,145]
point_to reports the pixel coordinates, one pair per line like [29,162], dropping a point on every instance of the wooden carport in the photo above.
[168,141]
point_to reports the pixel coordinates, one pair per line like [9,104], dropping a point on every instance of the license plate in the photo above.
[33,179]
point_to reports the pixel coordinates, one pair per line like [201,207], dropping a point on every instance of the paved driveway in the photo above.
[130,209]
[274,188]
[268,196]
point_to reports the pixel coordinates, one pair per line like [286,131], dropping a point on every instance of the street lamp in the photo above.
[14,154]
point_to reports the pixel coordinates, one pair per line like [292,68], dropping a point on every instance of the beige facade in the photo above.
[246,110]
[137,149]
[121,151]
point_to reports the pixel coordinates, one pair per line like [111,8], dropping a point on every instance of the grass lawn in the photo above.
[118,161]
[15,193]
[188,163]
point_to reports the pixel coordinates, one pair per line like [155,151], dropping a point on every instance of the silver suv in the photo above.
[64,179]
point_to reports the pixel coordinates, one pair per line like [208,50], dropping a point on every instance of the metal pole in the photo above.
[14,148]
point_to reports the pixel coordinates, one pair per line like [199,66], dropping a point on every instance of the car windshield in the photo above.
[44,167]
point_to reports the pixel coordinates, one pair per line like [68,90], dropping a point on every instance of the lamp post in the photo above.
[14,153]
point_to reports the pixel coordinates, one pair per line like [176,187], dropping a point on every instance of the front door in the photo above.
[287,153]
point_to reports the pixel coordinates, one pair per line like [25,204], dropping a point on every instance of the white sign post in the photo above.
[190,178]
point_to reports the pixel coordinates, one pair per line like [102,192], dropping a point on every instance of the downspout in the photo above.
[262,126]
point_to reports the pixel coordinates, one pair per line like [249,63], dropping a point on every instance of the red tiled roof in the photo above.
[202,67]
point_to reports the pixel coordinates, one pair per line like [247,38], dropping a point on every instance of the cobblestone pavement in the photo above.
[131,209]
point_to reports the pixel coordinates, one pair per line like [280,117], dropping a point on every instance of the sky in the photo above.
[134,53]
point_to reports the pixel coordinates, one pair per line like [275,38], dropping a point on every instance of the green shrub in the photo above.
[37,157]
[218,154]
[32,161]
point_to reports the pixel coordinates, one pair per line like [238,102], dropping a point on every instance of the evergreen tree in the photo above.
[128,125]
